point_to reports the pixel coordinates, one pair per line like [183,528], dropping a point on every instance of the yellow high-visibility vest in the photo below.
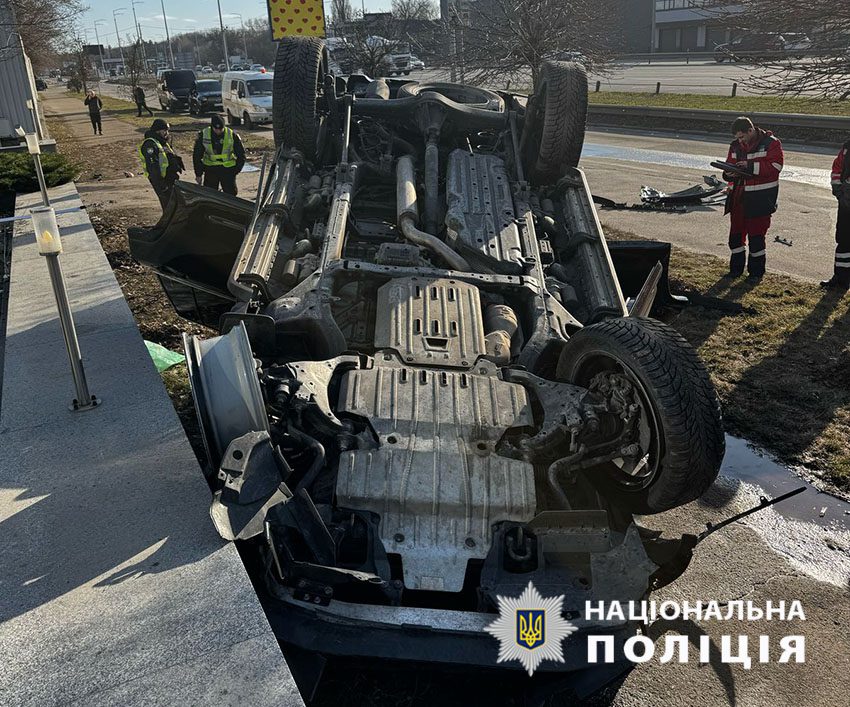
[164,151]
[227,158]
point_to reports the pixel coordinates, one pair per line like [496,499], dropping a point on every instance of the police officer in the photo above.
[840,279]
[160,164]
[218,156]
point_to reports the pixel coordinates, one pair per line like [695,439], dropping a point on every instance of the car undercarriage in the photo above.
[429,388]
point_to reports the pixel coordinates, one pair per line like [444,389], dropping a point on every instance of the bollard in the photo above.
[734,90]
[50,246]
[598,86]
[658,88]
[687,57]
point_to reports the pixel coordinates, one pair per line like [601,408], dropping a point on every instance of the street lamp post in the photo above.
[117,11]
[242,25]
[139,37]
[99,48]
[167,38]
[223,38]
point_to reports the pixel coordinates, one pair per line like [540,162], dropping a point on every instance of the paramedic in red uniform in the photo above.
[752,199]
[840,279]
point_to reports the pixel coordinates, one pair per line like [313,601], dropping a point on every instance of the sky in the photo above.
[182,16]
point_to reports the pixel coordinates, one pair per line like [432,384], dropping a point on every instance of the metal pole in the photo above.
[84,400]
[139,37]
[99,49]
[167,37]
[115,14]
[244,42]
[223,38]
[39,172]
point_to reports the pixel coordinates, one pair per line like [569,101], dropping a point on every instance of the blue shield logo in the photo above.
[530,628]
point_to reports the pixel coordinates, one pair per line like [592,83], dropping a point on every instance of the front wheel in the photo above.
[679,425]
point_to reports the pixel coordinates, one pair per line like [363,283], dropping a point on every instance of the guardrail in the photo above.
[821,129]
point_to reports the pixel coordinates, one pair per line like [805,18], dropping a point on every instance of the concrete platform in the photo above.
[114,587]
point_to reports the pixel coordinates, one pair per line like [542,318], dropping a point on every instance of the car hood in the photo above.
[263,101]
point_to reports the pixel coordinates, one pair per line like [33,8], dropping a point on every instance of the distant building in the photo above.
[17,83]
[690,25]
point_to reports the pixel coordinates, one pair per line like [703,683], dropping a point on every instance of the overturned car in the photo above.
[429,389]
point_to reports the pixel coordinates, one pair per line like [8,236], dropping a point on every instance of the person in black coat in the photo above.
[141,104]
[95,105]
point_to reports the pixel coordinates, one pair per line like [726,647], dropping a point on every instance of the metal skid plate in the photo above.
[480,216]
[436,481]
[432,322]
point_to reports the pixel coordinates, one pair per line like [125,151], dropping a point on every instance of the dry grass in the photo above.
[742,104]
[780,367]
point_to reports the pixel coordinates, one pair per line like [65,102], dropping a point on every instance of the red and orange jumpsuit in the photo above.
[752,199]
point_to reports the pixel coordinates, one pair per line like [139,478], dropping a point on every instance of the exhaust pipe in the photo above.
[408,217]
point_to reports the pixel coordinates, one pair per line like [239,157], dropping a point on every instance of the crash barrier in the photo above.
[826,129]
[656,86]
[688,56]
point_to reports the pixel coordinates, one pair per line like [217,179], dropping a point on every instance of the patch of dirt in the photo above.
[153,312]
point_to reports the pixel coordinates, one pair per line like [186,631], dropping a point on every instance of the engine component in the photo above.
[480,216]
[436,480]
[252,474]
[500,323]
[435,322]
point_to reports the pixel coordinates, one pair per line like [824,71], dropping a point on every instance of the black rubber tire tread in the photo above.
[564,117]
[296,75]
[479,97]
[688,410]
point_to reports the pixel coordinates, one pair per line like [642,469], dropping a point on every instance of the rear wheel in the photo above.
[232,120]
[300,68]
[679,426]
[553,133]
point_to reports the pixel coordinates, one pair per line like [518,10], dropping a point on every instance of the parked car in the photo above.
[416,63]
[173,89]
[246,97]
[198,68]
[429,390]
[763,46]
[40,84]
[205,96]
[206,70]
[256,67]
[221,67]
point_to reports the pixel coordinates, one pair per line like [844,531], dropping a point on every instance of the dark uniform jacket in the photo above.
[139,94]
[151,156]
[198,151]
[758,193]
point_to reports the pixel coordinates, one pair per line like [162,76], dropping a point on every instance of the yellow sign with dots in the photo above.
[296,18]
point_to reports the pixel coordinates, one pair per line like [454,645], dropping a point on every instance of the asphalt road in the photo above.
[806,215]
[706,77]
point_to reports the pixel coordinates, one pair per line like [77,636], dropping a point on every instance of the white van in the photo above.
[246,96]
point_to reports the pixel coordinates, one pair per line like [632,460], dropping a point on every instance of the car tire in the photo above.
[680,411]
[233,120]
[407,73]
[301,64]
[553,133]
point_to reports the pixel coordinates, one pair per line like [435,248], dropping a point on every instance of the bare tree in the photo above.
[414,10]
[500,40]
[372,39]
[134,64]
[342,12]
[44,26]
[825,68]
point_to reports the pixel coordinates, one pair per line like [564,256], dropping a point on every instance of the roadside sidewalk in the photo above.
[114,587]
[76,116]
